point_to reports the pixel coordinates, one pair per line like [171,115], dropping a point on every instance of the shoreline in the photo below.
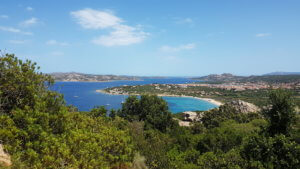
[212,101]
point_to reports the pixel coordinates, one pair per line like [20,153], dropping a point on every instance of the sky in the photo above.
[154,37]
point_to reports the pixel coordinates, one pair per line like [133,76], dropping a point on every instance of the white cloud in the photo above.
[54,42]
[14,30]
[17,41]
[119,34]
[29,8]
[167,48]
[93,19]
[4,16]
[29,22]
[184,20]
[263,34]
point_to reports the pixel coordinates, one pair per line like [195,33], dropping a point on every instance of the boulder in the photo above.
[189,116]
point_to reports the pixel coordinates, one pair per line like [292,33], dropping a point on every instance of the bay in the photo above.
[83,95]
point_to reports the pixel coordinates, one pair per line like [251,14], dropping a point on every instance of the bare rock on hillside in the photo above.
[191,116]
[243,107]
[188,117]
[4,157]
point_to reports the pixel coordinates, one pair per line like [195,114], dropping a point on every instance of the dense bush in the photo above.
[271,152]
[39,131]
[215,117]
[223,138]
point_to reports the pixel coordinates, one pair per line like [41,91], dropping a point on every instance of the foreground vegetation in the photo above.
[38,130]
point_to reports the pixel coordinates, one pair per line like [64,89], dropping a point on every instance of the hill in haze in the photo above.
[225,77]
[81,77]
[283,73]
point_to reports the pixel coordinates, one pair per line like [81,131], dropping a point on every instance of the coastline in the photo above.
[212,101]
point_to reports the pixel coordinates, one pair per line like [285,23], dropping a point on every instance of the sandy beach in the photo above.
[215,102]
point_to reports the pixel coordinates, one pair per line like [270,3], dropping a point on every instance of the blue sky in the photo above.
[155,37]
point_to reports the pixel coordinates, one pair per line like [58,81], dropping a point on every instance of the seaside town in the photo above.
[245,86]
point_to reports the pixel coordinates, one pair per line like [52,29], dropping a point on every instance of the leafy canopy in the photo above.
[39,131]
[151,109]
[281,115]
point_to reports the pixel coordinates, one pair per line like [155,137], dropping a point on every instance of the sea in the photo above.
[83,95]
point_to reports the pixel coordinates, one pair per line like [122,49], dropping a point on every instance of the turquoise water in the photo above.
[181,104]
[83,95]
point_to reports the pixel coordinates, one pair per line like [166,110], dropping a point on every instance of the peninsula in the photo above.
[220,89]
[118,92]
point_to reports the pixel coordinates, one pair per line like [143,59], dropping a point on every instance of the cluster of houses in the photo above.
[244,86]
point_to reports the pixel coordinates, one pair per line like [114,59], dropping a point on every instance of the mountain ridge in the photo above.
[227,77]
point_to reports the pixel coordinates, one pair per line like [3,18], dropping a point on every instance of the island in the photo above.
[81,77]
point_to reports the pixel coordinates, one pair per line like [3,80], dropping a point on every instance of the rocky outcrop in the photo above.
[191,116]
[184,123]
[243,107]
[4,157]
[188,117]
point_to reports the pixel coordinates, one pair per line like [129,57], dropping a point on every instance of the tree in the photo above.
[21,85]
[282,113]
[151,109]
[98,111]
[215,117]
[112,113]
[130,109]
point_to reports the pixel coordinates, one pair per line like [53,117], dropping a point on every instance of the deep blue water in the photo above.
[84,96]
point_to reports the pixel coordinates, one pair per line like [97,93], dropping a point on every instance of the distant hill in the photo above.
[227,77]
[282,73]
[81,77]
